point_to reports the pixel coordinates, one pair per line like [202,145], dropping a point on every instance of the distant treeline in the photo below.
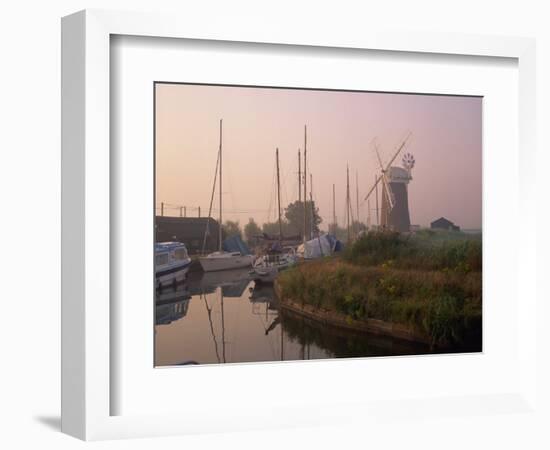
[292,223]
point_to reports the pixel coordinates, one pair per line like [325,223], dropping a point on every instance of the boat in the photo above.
[267,267]
[223,260]
[171,263]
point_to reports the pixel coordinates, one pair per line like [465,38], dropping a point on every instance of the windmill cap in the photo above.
[399,175]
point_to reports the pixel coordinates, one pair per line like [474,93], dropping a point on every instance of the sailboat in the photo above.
[222,260]
[267,267]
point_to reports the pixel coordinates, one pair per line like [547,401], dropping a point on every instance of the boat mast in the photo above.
[299,177]
[311,205]
[376,194]
[334,208]
[368,215]
[207,230]
[223,326]
[305,183]
[220,224]
[279,198]
[348,204]
[357,196]
[313,214]
[209,312]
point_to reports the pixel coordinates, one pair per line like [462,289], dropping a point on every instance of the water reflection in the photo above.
[219,317]
[171,304]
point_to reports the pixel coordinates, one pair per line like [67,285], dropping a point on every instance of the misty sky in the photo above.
[446,143]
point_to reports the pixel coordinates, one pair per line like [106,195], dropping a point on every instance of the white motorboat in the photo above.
[171,263]
[222,260]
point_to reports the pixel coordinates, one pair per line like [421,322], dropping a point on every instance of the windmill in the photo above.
[395,203]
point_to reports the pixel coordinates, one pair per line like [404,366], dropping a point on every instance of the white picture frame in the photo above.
[87,384]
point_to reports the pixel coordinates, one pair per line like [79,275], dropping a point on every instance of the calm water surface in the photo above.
[220,317]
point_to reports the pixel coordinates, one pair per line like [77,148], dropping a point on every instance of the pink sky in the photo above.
[446,144]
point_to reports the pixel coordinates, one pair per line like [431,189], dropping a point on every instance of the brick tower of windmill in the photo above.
[395,197]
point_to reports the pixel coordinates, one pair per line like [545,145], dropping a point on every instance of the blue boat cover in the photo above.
[235,244]
[335,243]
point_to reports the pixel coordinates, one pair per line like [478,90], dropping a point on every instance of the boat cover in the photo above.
[236,244]
[324,245]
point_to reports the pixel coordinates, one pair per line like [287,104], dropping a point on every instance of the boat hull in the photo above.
[171,276]
[213,264]
[266,271]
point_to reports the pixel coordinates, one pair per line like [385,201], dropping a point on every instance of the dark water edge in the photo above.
[344,343]
[225,318]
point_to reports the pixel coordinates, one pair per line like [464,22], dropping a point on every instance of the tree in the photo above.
[294,215]
[272,229]
[251,230]
[232,228]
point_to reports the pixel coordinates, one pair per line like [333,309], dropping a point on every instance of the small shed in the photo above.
[444,224]
[189,230]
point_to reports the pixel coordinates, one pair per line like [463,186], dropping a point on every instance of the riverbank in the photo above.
[339,320]
[425,289]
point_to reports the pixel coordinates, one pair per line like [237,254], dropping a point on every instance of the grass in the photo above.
[429,281]
[425,250]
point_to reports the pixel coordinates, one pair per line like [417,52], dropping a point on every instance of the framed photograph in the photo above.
[316,214]
[320,267]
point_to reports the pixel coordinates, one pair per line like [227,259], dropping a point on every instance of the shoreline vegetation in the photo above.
[424,287]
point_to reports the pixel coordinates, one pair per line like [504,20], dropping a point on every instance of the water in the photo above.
[223,317]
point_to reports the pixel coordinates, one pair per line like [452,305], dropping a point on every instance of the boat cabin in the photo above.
[168,253]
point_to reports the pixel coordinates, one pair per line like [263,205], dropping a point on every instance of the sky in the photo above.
[446,142]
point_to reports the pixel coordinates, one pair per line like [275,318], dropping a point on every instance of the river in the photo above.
[223,317]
